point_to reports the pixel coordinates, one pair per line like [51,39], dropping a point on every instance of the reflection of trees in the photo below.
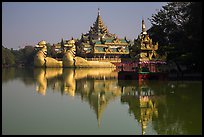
[173,108]
[24,74]
[182,112]
[8,74]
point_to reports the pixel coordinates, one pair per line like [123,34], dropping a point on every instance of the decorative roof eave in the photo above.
[111,43]
[101,45]
[118,53]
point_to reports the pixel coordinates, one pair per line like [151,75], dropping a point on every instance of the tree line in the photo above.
[19,57]
[22,57]
[178,29]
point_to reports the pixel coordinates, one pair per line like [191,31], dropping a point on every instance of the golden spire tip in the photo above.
[98,11]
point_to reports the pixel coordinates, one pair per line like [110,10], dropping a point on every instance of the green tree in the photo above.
[49,49]
[177,28]
[25,55]
[62,43]
[8,58]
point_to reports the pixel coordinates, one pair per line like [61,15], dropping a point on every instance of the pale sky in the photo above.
[27,23]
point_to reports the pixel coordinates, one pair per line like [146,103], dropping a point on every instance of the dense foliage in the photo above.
[21,57]
[178,28]
[8,58]
[24,56]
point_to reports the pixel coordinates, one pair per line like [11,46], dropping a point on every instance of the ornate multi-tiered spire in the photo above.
[99,29]
[99,23]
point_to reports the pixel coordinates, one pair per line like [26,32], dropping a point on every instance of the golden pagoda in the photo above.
[144,49]
[144,52]
[100,43]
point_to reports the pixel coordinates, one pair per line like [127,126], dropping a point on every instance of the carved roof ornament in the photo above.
[116,40]
[41,44]
[143,27]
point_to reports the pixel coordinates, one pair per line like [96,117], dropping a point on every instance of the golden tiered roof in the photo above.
[99,29]
[98,42]
[145,40]
[144,47]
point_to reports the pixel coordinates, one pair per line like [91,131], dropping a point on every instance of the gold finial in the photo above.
[143,27]
[98,11]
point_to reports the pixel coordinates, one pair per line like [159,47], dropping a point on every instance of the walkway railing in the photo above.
[104,59]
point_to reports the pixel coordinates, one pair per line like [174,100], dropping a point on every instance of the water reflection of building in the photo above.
[41,81]
[172,98]
[69,82]
[43,76]
[98,93]
[142,102]
[65,79]
[97,86]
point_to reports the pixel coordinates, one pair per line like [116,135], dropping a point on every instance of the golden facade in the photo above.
[98,48]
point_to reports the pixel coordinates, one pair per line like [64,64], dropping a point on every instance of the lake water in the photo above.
[94,102]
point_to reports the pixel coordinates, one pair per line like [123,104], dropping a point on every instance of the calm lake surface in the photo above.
[93,101]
